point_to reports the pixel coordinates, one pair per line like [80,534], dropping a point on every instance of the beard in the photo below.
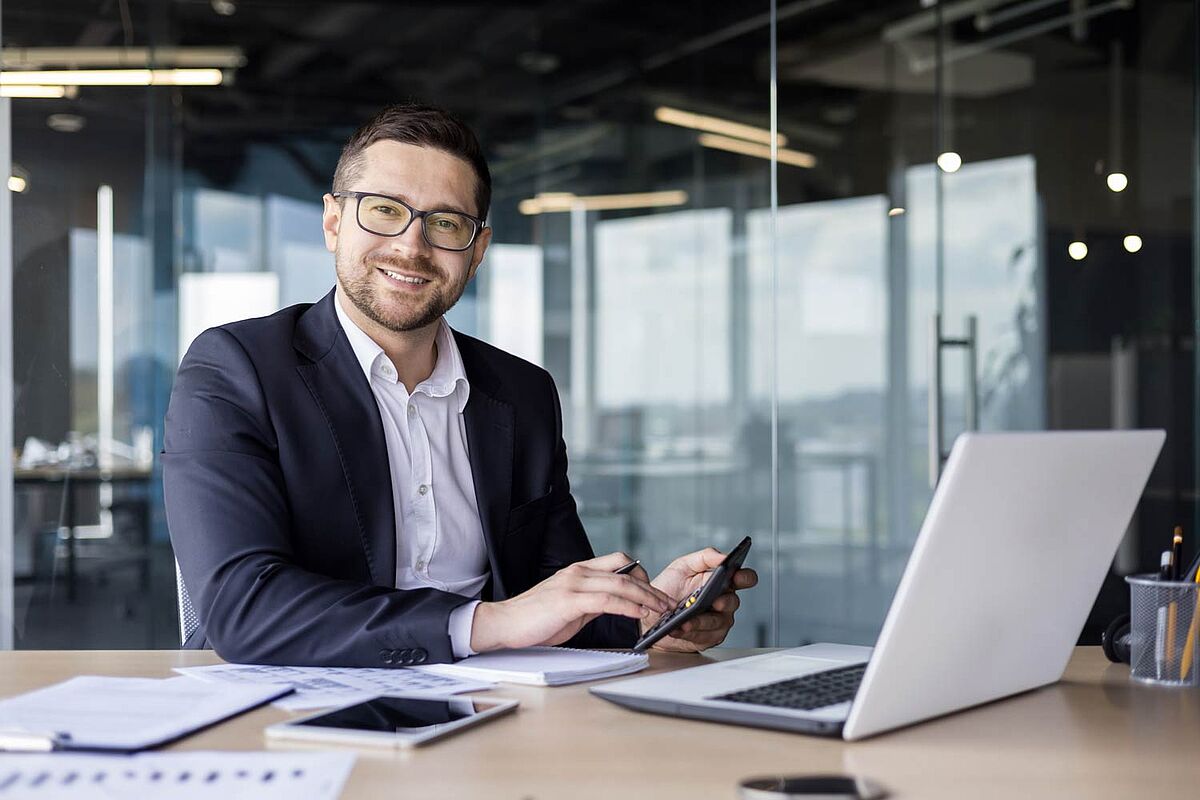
[386,307]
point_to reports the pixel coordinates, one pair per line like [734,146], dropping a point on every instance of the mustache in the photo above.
[421,268]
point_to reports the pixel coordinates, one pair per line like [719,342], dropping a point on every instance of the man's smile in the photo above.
[403,279]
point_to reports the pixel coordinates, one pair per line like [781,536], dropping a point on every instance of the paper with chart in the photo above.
[318,687]
[196,775]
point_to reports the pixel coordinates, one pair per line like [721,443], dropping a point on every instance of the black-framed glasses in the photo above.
[384,215]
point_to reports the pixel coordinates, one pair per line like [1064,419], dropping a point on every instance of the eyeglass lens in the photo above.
[386,217]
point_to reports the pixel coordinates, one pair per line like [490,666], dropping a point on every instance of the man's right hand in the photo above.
[558,607]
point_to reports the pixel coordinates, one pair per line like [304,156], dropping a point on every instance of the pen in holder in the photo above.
[1164,640]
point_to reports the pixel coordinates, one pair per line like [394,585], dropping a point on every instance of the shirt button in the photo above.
[412,410]
[421,565]
[423,489]
[388,371]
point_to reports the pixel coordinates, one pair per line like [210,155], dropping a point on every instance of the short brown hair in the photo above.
[422,125]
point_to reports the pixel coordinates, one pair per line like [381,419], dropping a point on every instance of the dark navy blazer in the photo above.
[279,501]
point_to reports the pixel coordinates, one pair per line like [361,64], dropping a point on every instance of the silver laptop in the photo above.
[1018,538]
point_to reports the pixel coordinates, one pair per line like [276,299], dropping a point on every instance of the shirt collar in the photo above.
[365,349]
[449,376]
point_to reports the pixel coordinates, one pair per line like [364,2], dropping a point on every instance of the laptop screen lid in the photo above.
[1014,548]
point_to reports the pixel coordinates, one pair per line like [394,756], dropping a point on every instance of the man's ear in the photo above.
[331,219]
[481,245]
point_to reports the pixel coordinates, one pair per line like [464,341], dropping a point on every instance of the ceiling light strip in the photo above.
[703,122]
[795,158]
[550,202]
[113,77]
[117,57]
[47,92]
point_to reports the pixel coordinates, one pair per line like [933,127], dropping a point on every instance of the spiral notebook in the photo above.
[543,666]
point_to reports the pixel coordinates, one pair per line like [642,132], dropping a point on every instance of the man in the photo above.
[353,483]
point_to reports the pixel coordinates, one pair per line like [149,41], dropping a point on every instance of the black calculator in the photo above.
[698,601]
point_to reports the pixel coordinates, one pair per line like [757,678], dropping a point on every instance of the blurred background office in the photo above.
[775,254]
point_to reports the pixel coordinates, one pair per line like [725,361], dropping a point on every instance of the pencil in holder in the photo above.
[1164,640]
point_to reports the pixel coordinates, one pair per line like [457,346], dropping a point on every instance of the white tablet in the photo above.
[391,721]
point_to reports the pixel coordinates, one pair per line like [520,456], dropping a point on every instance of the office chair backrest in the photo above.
[188,621]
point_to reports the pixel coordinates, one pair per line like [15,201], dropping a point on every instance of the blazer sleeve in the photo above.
[566,543]
[230,523]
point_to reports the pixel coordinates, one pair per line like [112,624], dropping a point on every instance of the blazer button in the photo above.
[402,655]
[419,656]
[386,656]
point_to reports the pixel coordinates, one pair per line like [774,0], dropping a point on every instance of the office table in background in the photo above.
[72,479]
[1094,735]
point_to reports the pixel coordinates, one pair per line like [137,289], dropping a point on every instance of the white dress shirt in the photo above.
[439,538]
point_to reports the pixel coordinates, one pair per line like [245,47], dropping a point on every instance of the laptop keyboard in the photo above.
[805,693]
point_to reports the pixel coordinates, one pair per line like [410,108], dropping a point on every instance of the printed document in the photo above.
[199,775]
[319,687]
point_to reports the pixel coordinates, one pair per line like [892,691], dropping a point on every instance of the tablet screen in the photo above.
[398,714]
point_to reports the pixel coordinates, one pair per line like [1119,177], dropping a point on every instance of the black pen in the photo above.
[628,568]
[1164,566]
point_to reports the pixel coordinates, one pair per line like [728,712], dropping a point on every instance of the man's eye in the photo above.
[383,210]
[446,224]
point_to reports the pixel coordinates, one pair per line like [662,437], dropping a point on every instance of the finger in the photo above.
[699,561]
[745,579]
[672,645]
[700,639]
[608,563]
[628,587]
[726,603]
[600,603]
[703,623]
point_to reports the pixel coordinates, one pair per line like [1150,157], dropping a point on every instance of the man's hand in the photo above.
[682,577]
[555,610]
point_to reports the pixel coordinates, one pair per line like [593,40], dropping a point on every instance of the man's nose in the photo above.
[412,241]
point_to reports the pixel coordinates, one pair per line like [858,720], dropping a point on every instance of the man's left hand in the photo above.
[682,577]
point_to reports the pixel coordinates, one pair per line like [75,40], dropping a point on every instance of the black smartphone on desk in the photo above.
[700,600]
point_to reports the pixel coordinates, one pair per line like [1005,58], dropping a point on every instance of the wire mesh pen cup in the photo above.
[1164,639]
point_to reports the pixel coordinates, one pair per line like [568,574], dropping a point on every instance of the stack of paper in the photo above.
[317,687]
[543,666]
[179,776]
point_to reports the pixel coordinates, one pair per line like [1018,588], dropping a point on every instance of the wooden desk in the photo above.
[1094,735]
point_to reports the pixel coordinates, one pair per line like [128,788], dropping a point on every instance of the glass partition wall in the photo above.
[999,240]
[1066,236]
[765,319]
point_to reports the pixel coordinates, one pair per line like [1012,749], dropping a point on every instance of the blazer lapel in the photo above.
[489,422]
[341,390]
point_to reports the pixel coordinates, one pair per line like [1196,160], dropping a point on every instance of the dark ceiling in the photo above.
[565,91]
